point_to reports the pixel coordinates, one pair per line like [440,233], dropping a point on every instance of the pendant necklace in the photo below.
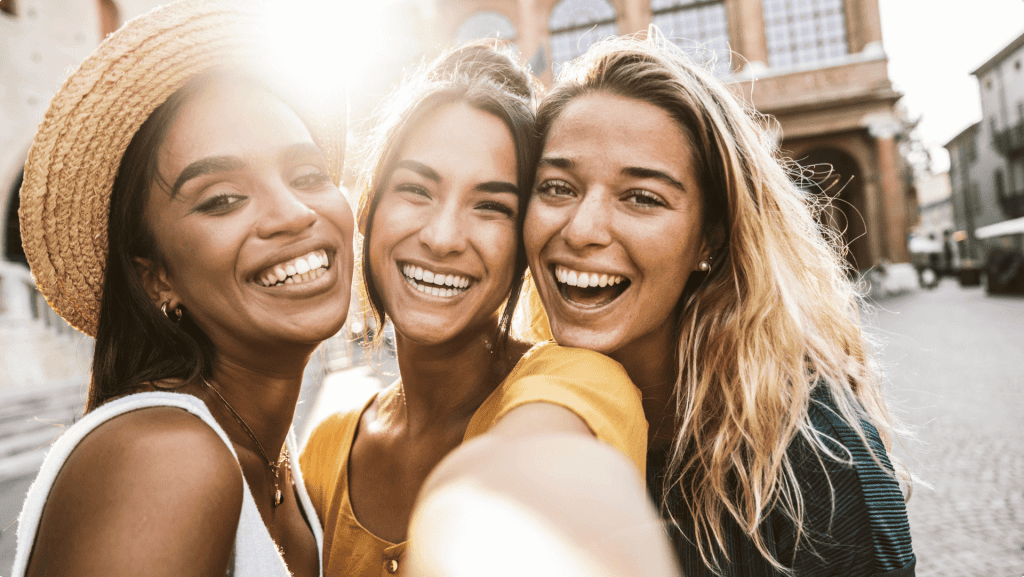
[275,468]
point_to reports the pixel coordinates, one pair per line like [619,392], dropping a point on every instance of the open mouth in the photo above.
[589,289]
[436,284]
[299,270]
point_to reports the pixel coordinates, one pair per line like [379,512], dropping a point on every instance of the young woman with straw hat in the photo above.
[769,446]
[184,213]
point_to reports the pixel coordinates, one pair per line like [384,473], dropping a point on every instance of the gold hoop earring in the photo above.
[177,313]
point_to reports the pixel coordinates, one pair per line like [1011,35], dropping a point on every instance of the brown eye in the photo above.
[311,180]
[220,204]
[554,188]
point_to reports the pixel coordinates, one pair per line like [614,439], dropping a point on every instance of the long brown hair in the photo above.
[775,317]
[485,77]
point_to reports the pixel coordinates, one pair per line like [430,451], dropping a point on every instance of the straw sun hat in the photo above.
[69,174]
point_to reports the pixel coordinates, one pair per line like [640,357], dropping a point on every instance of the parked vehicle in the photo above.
[1003,248]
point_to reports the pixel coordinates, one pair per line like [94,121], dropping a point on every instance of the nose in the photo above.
[443,234]
[284,213]
[590,222]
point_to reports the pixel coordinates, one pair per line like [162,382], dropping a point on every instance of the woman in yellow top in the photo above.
[443,197]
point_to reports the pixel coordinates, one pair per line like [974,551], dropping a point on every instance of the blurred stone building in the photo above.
[41,41]
[987,168]
[817,66]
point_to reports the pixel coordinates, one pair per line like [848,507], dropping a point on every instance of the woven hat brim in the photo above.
[73,160]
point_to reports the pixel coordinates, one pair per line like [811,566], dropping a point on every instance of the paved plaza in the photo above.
[954,358]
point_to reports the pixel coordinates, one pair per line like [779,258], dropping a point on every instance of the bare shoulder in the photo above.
[154,491]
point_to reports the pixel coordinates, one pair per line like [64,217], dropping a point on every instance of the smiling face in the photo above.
[443,243]
[256,239]
[613,229]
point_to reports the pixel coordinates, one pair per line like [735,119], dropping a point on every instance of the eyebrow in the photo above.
[302,150]
[495,186]
[556,162]
[640,172]
[420,169]
[204,166]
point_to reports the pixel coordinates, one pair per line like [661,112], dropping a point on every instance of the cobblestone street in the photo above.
[955,359]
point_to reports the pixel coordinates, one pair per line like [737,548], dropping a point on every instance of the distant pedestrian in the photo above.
[189,219]
[769,434]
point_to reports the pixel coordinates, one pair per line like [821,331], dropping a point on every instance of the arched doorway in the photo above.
[837,179]
[13,250]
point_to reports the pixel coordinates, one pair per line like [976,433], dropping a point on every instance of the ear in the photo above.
[711,242]
[156,282]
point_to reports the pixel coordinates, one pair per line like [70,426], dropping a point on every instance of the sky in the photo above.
[933,46]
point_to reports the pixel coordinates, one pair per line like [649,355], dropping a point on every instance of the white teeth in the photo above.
[304,268]
[584,279]
[457,283]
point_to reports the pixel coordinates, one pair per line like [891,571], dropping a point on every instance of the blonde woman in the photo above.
[550,430]
[665,233]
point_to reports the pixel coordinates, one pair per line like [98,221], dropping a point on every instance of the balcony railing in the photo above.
[1010,139]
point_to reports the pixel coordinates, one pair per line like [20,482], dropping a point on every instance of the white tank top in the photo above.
[255,555]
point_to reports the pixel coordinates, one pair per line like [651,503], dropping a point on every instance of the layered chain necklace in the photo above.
[275,468]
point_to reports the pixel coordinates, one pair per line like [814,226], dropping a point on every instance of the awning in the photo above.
[1013,226]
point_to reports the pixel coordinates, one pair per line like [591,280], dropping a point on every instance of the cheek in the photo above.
[499,244]
[540,225]
[201,265]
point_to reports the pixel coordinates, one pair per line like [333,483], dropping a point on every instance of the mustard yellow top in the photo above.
[589,384]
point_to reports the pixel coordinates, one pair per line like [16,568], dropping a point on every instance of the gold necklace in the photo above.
[282,461]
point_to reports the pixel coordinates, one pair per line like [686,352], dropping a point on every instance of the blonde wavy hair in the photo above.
[776,316]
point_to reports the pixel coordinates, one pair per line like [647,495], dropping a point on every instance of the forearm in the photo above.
[546,504]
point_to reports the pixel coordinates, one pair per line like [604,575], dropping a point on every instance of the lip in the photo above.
[577,266]
[399,264]
[437,269]
[307,288]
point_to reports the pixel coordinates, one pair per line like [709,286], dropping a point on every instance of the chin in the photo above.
[596,340]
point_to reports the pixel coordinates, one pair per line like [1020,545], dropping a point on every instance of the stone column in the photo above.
[895,206]
[637,17]
[746,32]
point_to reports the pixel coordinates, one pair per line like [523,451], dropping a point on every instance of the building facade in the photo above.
[1001,132]
[817,66]
[41,41]
[987,168]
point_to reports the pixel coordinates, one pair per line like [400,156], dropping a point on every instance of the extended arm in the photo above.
[537,495]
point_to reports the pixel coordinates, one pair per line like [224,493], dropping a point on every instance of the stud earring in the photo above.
[703,266]
[177,312]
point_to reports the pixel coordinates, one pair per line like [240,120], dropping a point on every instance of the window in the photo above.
[1020,112]
[700,27]
[1000,185]
[8,7]
[485,25]
[803,32]
[576,24]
